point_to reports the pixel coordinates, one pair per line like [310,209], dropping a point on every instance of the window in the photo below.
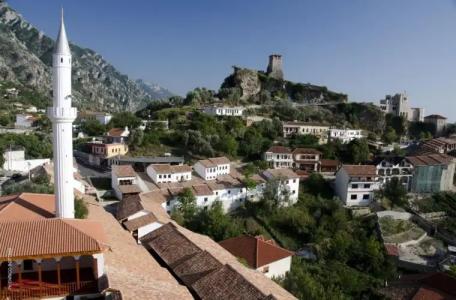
[216,193]
[28,265]
[205,199]
[229,192]
[354,197]
[61,59]
[366,186]
[159,176]
[366,197]
[354,186]
[169,175]
[294,180]
[168,203]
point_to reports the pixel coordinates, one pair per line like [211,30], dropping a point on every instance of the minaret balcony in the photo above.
[63,114]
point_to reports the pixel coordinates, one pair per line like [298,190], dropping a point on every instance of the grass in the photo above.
[399,231]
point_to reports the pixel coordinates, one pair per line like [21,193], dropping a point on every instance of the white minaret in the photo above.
[62,116]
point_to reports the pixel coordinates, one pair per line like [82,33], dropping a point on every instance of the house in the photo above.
[124,181]
[394,166]
[162,124]
[260,254]
[106,151]
[432,173]
[439,145]
[288,183]
[355,185]
[28,206]
[117,135]
[306,159]
[438,122]
[169,173]
[66,259]
[279,157]
[298,128]
[329,166]
[142,162]
[14,160]
[224,111]
[25,121]
[211,168]
[31,109]
[102,117]
[398,106]
[345,135]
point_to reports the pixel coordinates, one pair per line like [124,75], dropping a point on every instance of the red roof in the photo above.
[360,170]
[306,151]
[116,132]
[279,149]
[27,206]
[392,250]
[256,251]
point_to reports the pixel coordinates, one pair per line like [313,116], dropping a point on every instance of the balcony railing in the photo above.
[31,289]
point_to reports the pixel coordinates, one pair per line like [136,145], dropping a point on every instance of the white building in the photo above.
[124,181]
[211,168]
[398,106]
[279,157]
[319,130]
[14,160]
[390,167]
[345,135]
[356,184]
[117,135]
[169,173]
[289,183]
[24,121]
[237,111]
[260,254]
[62,115]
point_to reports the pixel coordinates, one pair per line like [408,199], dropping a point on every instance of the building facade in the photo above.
[394,167]
[279,157]
[211,168]
[355,185]
[169,173]
[398,106]
[345,135]
[438,122]
[298,128]
[14,160]
[236,111]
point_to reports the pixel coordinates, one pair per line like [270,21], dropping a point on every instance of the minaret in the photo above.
[62,116]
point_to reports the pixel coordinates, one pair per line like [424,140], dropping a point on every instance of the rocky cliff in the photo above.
[25,57]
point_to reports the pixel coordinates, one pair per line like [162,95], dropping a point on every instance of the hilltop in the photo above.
[25,58]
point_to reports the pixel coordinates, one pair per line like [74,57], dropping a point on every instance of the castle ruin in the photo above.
[275,66]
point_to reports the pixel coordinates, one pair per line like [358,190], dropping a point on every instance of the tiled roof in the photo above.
[255,250]
[129,189]
[116,132]
[360,170]
[123,171]
[207,163]
[329,162]
[435,117]
[226,283]
[50,238]
[286,173]
[196,267]
[139,222]
[128,206]
[202,190]
[304,124]
[279,149]
[170,169]
[430,160]
[27,206]
[214,161]
[306,151]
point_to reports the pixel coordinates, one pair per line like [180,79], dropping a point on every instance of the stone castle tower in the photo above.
[275,66]
[62,115]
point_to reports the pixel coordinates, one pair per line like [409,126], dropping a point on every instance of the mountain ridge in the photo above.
[26,57]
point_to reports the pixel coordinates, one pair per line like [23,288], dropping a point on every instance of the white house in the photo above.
[237,111]
[260,254]
[289,182]
[318,130]
[390,167]
[279,157]
[211,168]
[24,121]
[14,160]
[169,173]
[345,135]
[355,185]
[117,135]
[124,181]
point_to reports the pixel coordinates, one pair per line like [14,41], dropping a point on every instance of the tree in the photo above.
[390,136]
[395,192]
[228,144]
[186,204]
[124,119]
[303,140]
[80,208]
[358,151]
[274,194]
[93,128]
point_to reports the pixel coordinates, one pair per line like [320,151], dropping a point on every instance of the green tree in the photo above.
[124,119]
[395,192]
[390,135]
[358,151]
[80,208]
[186,204]
[228,145]
[93,128]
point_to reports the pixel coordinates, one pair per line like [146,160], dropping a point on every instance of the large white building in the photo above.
[279,157]
[345,135]
[211,168]
[169,173]
[62,115]
[298,128]
[394,167]
[355,185]
[398,106]
[237,111]
[14,160]
[24,121]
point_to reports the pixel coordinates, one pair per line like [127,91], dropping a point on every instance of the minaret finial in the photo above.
[61,44]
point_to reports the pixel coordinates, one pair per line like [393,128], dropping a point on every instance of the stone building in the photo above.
[398,106]
[438,121]
[275,66]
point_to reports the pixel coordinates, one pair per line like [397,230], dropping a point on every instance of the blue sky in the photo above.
[364,48]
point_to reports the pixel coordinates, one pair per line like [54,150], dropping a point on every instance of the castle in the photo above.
[275,66]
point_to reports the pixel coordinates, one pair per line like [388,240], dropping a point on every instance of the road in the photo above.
[89,172]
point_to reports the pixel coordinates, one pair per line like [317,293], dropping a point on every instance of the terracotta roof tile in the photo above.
[170,169]
[123,171]
[139,222]
[128,207]
[255,250]
[430,160]
[279,149]
[116,132]
[27,206]
[130,189]
[50,238]
[196,267]
[286,173]
[360,170]
[202,190]
[306,151]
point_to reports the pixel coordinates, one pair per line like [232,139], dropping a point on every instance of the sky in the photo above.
[363,48]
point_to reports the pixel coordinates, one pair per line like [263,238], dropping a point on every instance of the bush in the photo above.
[80,209]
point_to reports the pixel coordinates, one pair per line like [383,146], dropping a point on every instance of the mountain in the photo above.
[26,57]
[154,89]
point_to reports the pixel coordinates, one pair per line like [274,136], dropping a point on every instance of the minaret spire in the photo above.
[61,44]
